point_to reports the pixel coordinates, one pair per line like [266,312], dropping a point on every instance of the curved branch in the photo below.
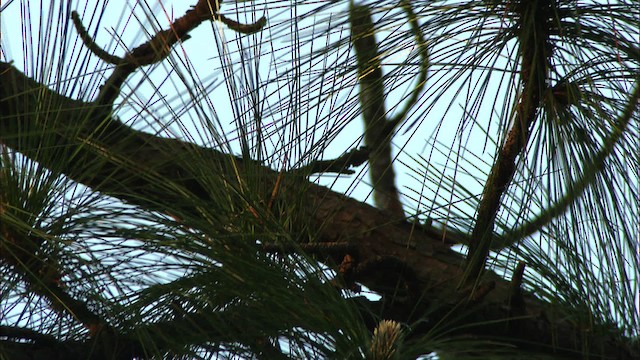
[244,28]
[424,63]
[378,130]
[91,44]
[158,47]
[340,165]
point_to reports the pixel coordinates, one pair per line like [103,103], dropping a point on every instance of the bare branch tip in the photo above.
[91,44]
[248,29]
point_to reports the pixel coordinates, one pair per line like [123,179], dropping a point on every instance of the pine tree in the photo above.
[194,182]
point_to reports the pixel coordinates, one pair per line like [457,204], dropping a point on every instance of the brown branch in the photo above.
[379,130]
[421,44]
[516,298]
[533,34]
[154,50]
[91,44]
[341,165]
[593,167]
[159,46]
[244,28]
[195,328]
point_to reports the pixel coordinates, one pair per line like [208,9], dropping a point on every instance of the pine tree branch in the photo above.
[125,163]
[193,329]
[159,46]
[378,130]
[576,189]
[341,165]
[535,49]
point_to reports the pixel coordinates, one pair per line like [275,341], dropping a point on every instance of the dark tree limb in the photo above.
[217,327]
[533,31]
[593,167]
[125,163]
[159,174]
[378,130]
[341,165]
[159,46]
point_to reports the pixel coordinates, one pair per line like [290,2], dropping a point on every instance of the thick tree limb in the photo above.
[593,167]
[158,173]
[213,327]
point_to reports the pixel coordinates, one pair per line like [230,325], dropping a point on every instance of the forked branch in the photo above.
[379,130]
[159,46]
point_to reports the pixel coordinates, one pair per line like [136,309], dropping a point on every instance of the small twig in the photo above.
[424,63]
[516,300]
[244,28]
[341,165]
[274,191]
[91,44]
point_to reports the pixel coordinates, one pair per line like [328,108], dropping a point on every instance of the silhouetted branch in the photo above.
[244,28]
[124,163]
[592,168]
[158,47]
[91,44]
[341,165]
[423,50]
[534,21]
[378,130]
